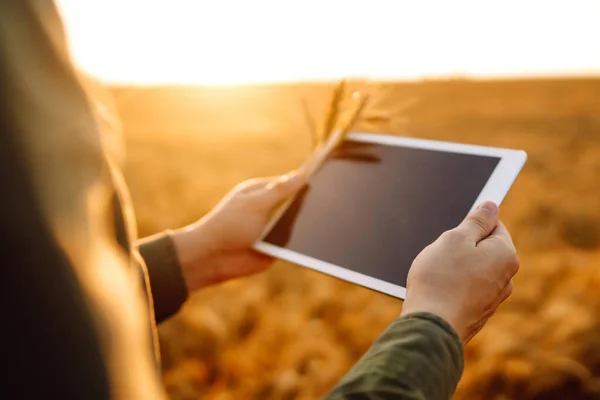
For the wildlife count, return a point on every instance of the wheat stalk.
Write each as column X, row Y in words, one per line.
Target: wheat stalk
column 332, row 132
column 362, row 102
column 329, row 138
column 333, row 110
column 312, row 127
column 334, row 139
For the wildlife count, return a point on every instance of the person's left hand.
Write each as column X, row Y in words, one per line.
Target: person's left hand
column 219, row 246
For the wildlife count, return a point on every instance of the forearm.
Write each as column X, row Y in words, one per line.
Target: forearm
column 418, row 357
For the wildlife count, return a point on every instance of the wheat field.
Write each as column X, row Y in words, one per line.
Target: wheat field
column 291, row 333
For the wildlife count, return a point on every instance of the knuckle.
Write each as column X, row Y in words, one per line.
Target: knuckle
column 514, row 265
column 508, row 262
column 505, row 294
column 506, row 250
column 479, row 222
column 281, row 185
column 509, row 253
column 446, row 235
column 510, row 247
column 240, row 187
column 246, row 186
column 454, row 236
column 510, row 289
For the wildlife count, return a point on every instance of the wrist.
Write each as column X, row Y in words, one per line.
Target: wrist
column 443, row 312
column 195, row 254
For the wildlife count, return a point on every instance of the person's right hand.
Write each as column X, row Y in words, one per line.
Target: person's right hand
column 466, row 274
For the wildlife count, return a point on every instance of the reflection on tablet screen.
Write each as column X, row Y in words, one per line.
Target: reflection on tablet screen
column 372, row 208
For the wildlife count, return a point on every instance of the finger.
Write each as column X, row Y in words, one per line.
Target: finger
column 506, row 292
column 490, row 311
column 255, row 184
column 280, row 189
column 502, row 296
column 481, row 222
column 502, row 233
column 500, row 245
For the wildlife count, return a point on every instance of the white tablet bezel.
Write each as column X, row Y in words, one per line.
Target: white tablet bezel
column 496, row 188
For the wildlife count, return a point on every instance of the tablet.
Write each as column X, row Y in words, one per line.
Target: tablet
column 377, row 201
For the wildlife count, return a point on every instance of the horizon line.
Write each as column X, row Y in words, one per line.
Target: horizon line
column 313, row 81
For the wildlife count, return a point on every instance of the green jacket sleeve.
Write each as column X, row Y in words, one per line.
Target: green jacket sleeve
column 167, row 284
column 418, row 357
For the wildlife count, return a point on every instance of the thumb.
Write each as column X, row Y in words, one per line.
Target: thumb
column 481, row 222
column 281, row 189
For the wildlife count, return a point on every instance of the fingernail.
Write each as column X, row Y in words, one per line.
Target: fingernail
column 489, row 206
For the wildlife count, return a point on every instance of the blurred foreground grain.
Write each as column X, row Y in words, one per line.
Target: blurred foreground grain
column 292, row 333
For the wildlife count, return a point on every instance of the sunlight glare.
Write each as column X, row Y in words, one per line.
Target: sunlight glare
column 226, row 42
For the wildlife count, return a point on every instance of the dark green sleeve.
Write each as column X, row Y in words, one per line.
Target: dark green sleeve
column 167, row 284
column 418, row 357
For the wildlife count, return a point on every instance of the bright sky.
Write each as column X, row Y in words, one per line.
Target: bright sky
column 248, row 41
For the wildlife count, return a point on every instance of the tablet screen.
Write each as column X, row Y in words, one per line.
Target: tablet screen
column 372, row 208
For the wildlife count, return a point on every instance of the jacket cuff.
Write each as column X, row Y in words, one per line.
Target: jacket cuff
column 167, row 284
column 419, row 356
column 441, row 323
column 446, row 344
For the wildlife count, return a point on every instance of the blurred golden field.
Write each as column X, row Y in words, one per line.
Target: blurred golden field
column 292, row 333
